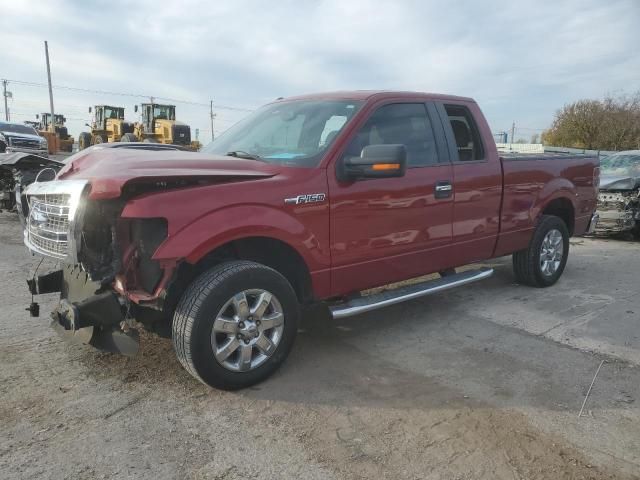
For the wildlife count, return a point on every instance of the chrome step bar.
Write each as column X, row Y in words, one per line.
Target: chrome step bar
column 359, row 305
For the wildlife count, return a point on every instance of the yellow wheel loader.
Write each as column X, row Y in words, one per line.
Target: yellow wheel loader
column 108, row 126
column 47, row 129
column 159, row 125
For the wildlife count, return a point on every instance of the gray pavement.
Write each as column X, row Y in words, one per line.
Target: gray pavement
column 483, row 382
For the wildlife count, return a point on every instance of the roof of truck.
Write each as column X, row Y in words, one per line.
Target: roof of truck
column 369, row 94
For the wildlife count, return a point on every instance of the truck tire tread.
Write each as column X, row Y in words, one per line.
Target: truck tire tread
column 192, row 301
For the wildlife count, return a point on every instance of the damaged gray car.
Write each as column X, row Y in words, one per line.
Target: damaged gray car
column 18, row 170
column 619, row 197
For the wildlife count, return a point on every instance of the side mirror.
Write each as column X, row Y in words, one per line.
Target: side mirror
column 375, row 161
column 37, row 116
column 88, row 125
column 89, row 109
column 135, row 108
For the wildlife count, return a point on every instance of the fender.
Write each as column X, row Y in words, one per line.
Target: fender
column 557, row 188
column 222, row 226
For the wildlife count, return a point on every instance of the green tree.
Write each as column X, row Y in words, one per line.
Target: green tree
column 609, row 124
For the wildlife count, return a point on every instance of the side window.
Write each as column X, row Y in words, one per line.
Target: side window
column 465, row 133
column 399, row 123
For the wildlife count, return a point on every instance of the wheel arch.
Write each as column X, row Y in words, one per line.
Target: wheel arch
column 562, row 208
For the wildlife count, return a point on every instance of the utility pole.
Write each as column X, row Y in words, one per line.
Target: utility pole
column 46, row 52
column 213, row 115
column 5, row 95
column 513, row 132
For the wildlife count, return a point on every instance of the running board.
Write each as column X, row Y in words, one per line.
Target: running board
column 402, row 294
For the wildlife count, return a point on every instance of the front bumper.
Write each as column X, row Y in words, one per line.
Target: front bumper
column 86, row 313
column 33, row 151
column 615, row 221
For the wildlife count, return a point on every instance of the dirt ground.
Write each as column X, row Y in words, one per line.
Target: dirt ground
column 479, row 383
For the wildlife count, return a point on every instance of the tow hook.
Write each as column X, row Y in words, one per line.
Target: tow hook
column 33, row 309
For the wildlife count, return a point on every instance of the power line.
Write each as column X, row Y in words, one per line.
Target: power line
column 128, row 94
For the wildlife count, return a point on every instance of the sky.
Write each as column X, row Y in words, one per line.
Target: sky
column 521, row 60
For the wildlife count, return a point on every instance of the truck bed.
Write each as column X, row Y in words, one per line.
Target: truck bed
column 533, row 180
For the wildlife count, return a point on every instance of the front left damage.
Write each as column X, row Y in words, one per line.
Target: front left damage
column 109, row 280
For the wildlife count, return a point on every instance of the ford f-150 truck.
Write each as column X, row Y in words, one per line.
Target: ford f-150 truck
column 309, row 199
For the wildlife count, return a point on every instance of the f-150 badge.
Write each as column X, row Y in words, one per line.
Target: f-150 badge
column 306, row 198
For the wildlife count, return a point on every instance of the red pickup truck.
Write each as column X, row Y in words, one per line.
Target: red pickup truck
column 309, row 199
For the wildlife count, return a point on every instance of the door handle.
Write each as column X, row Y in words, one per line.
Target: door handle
column 443, row 189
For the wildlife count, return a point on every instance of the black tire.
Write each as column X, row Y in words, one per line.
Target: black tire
column 199, row 306
column 96, row 140
column 84, row 140
column 128, row 137
column 526, row 263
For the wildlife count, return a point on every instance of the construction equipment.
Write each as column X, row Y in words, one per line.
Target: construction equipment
column 55, row 132
column 108, row 126
column 159, row 125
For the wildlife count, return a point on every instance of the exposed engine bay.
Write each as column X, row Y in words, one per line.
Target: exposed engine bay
column 619, row 212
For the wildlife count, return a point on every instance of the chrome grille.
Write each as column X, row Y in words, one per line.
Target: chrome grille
column 48, row 223
column 52, row 217
column 24, row 143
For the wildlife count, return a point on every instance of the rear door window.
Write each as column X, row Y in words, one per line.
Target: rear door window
column 399, row 123
column 465, row 133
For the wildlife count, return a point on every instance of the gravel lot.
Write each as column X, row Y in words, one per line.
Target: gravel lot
column 482, row 382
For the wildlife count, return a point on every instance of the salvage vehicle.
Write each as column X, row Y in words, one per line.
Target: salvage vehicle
column 18, row 170
column 16, row 137
column 619, row 197
column 310, row 199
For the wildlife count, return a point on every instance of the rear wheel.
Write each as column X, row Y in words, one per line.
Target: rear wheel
column 149, row 140
column 128, row 137
column 543, row 262
column 96, row 139
column 84, row 140
column 235, row 324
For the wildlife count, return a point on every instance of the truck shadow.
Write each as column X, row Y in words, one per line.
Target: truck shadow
column 428, row 353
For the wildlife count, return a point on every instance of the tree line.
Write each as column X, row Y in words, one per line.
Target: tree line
column 612, row 123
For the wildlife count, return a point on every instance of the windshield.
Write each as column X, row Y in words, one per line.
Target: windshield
column 290, row 133
column 164, row 112
column 17, row 128
column 621, row 165
column 110, row 112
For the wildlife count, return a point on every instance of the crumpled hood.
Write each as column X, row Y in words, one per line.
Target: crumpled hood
column 20, row 160
column 614, row 182
column 109, row 170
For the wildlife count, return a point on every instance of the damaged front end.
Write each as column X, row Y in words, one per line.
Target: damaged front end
column 109, row 274
column 619, row 206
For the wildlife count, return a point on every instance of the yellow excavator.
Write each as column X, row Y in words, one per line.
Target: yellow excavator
column 108, row 126
column 159, row 125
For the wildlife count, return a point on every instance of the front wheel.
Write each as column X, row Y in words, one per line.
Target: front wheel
column 235, row 324
column 84, row 140
column 543, row 262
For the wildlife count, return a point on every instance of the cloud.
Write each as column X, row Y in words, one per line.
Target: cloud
column 520, row 60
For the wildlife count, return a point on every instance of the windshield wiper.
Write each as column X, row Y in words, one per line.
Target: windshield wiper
column 243, row 154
